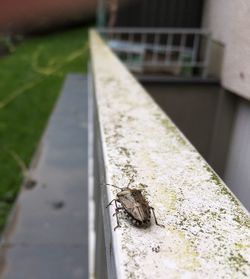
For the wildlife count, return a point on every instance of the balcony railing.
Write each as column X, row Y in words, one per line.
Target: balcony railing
column 170, row 53
column 207, row 230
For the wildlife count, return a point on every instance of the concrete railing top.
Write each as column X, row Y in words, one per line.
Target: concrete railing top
column 207, row 230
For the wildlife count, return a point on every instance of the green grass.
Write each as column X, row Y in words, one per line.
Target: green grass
column 31, row 79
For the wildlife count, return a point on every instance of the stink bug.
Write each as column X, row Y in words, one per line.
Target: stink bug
column 135, row 206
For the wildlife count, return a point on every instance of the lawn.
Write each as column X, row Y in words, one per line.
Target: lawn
column 30, row 81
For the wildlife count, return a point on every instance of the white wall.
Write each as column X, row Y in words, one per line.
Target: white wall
column 237, row 174
column 229, row 22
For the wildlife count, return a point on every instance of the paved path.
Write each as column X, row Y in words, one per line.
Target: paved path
column 47, row 235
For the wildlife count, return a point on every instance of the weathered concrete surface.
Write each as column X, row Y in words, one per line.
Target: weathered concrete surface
column 47, row 236
column 207, row 230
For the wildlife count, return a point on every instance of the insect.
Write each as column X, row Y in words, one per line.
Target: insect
column 135, row 206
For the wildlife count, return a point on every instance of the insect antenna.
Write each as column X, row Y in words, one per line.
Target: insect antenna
column 113, row 186
column 131, row 180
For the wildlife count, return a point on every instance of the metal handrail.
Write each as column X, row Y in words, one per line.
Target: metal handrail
column 181, row 52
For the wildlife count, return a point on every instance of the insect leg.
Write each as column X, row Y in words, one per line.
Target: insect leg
column 116, row 205
column 153, row 210
column 112, row 202
column 117, row 219
column 117, row 210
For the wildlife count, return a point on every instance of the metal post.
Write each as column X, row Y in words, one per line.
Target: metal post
column 182, row 49
column 195, row 48
column 206, row 56
column 155, row 49
column 101, row 14
column 144, row 44
column 169, row 49
column 130, row 54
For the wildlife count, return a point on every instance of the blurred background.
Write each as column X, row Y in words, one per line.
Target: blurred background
column 192, row 56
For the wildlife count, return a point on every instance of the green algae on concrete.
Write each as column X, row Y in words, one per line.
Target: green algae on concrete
column 203, row 219
column 31, row 79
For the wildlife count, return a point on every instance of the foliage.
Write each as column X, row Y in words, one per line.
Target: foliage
column 31, row 79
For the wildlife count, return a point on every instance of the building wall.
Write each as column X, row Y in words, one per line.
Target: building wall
column 229, row 22
column 192, row 107
column 161, row 13
column 25, row 15
column 237, row 175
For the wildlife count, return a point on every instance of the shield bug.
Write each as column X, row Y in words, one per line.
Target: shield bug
column 135, row 206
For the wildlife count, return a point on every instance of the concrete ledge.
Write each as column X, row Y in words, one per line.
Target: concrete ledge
column 47, row 237
column 207, row 230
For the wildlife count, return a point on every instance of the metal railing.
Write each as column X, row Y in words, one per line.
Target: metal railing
column 176, row 53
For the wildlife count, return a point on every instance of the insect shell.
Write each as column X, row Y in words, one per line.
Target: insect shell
column 135, row 205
